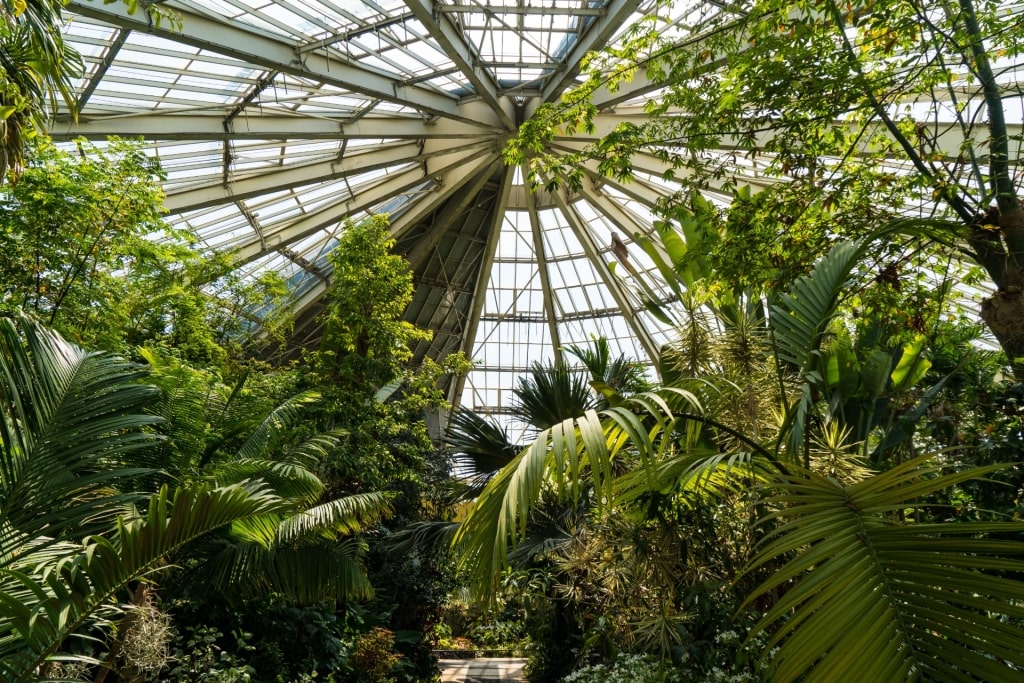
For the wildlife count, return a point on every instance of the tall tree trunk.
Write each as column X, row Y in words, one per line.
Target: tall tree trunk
column 1002, row 255
column 1003, row 312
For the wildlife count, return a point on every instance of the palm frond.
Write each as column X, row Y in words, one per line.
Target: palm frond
column 429, row 536
column 185, row 395
column 702, row 475
column 551, row 393
column 41, row 605
column 311, row 452
column 286, row 479
column 70, row 431
column 327, row 570
column 279, row 419
column 480, row 445
column 499, row 516
column 868, row 598
column 342, row 516
column 800, row 320
column 619, row 375
column 558, row 458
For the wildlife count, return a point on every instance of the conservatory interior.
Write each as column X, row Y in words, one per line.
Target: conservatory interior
column 644, row 340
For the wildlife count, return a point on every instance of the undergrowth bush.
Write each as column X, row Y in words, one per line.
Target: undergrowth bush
column 626, row 668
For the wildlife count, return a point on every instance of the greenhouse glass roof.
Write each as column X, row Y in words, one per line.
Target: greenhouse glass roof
column 276, row 120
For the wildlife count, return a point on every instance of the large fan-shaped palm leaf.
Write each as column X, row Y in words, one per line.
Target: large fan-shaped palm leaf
column 868, row 598
column 480, row 447
column 550, row 393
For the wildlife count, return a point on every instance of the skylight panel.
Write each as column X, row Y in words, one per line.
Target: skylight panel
column 264, row 120
column 296, row 15
column 118, row 102
column 315, row 247
column 91, row 53
column 81, row 29
column 578, row 288
column 614, row 328
column 515, row 241
column 267, row 16
column 204, row 218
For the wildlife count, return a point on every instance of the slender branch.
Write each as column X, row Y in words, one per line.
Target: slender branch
column 999, row 143
column 954, row 200
column 80, row 267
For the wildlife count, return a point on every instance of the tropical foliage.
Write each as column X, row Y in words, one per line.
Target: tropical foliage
column 824, row 484
column 851, row 565
column 833, row 98
column 36, row 71
column 77, row 250
column 76, row 529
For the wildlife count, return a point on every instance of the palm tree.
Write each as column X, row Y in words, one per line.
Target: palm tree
column 854, row 591
column 77, row 451
column 550, row 393
column 36, row 69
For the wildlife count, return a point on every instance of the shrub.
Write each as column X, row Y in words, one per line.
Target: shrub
column 373, row 657
column 625, row 669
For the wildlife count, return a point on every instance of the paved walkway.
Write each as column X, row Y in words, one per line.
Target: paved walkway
column 504, row 670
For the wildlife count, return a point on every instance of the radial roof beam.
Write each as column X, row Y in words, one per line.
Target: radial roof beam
column 624, row 220
column 371, row 27
column 454, row 208
column 645, row 162
column 614, row 285
column 452, row 41
column 375, row 158
column 605, row 97
column 635, row 189
column 948, row 137
column 542, row 270
column 101, row 69
column 193, row 126
column 596, row 36
column 363, row 199
column 642, row 190
column 527, row 10
column 449, row 184
column 482, row 282
column 253, row 46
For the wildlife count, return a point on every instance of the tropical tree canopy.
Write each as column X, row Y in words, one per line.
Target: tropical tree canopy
column 865, row 111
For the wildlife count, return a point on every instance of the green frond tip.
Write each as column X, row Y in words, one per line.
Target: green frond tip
column 868, row 597
column 44, row 603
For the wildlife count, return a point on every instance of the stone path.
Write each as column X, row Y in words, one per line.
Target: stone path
column 504, row 670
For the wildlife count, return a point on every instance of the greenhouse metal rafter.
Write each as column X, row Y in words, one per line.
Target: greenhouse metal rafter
column 277, row 121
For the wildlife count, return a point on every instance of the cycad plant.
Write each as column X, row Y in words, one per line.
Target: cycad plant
column 74, row 443
column 221, row 435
